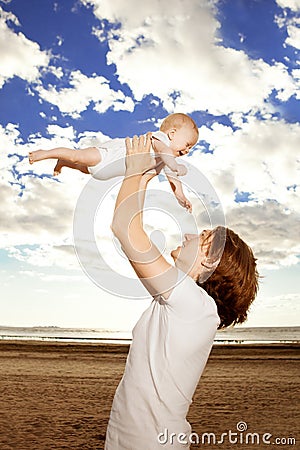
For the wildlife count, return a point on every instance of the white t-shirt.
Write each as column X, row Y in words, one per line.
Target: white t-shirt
column 170, row 346
column 113, row 153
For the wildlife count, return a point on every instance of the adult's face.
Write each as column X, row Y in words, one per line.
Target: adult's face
column 189, row 256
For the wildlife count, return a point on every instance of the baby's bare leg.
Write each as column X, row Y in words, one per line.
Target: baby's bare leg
column 89, row 156
column 62, row 163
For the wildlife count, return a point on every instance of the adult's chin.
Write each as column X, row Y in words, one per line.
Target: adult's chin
column 173, row 255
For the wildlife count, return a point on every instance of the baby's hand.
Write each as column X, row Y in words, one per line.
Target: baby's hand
column 181, row 170
column 183, row 201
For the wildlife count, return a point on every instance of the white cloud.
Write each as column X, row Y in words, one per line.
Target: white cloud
column 294, row 5
column 262, row 157
column 44, row 213
column 91, row 139
column 99, row 33
column 293, row 30
column 60, row 40
column 291, row 23
column 37, row 227
column 48, row 255
column 56, row 71
column 64, row 132
column 19, row 56
column 270, row 230
column 158, row 53
column 274, row 311
column 84, row 91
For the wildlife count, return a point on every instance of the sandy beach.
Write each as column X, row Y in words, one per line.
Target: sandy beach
column 58, row 396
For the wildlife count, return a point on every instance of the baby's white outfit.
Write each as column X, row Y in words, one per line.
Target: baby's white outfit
column 113, row 153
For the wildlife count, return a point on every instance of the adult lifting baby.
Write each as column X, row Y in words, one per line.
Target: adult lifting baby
column 210, row 285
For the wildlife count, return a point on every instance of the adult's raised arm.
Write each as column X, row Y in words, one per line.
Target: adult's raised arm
column 157, row 275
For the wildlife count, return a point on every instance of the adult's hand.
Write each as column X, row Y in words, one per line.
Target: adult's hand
column 139, row 160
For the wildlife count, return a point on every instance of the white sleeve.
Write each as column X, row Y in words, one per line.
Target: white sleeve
column 161, row 136
column 190, row 302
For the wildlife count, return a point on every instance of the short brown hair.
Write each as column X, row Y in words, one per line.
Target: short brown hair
column 177, row 121
column 234, row 283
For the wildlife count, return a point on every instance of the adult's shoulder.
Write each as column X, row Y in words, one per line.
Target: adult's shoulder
column 190, row 301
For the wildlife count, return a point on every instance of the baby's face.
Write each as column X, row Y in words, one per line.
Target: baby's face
column 182, row 140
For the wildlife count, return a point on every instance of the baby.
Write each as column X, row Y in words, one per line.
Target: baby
column 178, row 134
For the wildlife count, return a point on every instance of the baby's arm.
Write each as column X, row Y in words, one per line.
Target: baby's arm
column 166, row 155
column 176, row 186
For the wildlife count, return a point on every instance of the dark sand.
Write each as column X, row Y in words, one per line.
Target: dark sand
column 58, row 396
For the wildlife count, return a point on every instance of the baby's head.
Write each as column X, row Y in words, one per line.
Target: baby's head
column 182, row 132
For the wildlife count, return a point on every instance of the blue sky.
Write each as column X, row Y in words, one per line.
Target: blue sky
column 78, row 72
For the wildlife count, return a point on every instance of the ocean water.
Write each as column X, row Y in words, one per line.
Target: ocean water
column 235, row 335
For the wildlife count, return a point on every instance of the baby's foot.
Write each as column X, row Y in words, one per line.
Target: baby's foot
column 37, row 155
column 58, row 167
